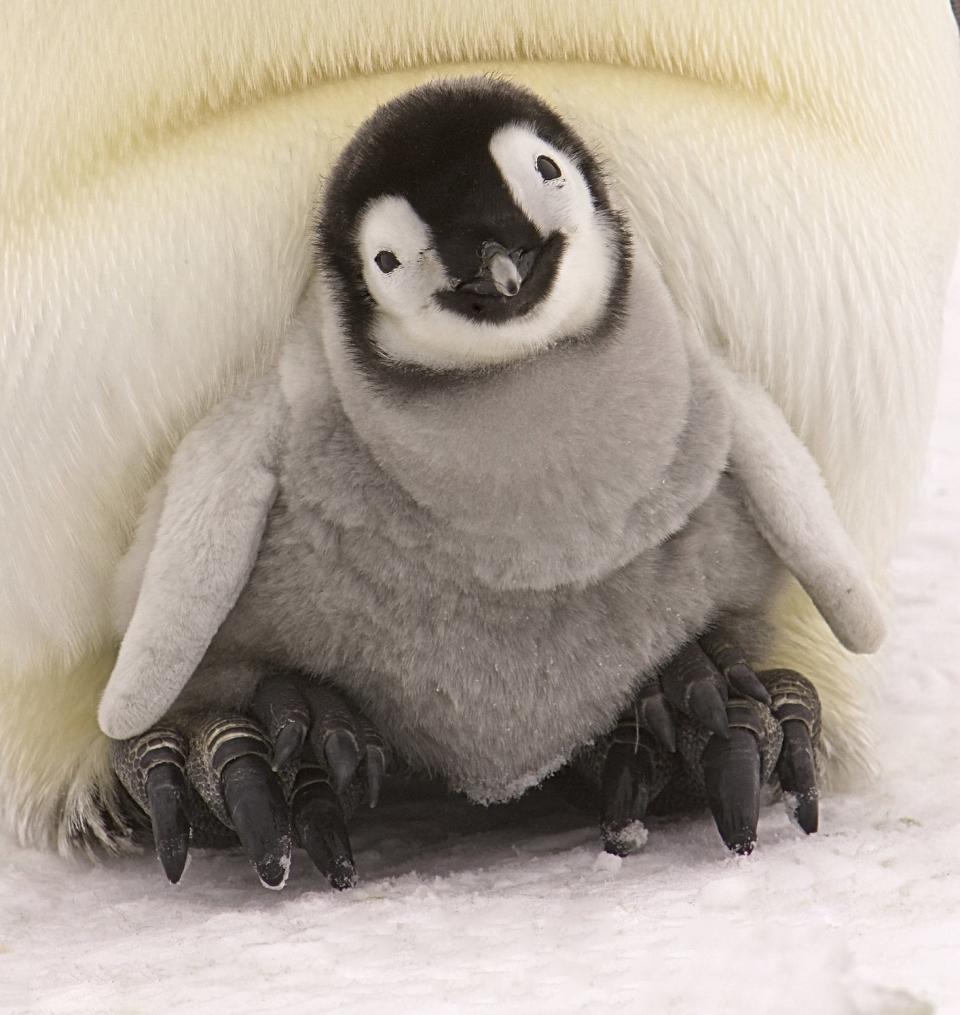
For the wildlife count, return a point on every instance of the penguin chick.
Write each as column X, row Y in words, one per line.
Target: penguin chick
column 468, row 226
column 494, row 483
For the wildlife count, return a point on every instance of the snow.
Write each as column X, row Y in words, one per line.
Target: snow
column 462, row 908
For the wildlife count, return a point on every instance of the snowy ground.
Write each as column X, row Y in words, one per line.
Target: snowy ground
column 518, row 910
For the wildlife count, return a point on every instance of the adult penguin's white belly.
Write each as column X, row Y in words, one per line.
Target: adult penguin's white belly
column 794, row 169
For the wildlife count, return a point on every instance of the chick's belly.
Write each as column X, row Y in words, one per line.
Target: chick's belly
column 489, row 725
column 490, row 689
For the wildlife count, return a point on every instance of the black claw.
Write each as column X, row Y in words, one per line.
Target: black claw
column 731, row 771
column 635, row 771
column 806, row 812
column 258, row 811
column 744, row 680
column 151, row 769
column 707, row 707
column 282, row 710
column 321, row 830
column 617, row 790
column 796, row 706
column 289, row 743
column 624, row 799
column 618, row 840
column 798, row 776
column 731, row 662
column 376, row 766
column 342, row 752
column 695, row 686
column 167, row 795
column 657, row 718
column 377, row 759
column 343, row 875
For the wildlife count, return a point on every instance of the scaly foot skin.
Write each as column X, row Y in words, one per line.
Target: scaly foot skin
column 709, row 727
column 290, row 772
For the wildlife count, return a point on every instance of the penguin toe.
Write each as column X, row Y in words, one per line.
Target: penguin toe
column 731, row 775
column 708, row 728
column 695, row 688
column 636, row 769
column 796, row 706
column 731, row 662
column 651, row 712
column 331, row 758
column 306, row 716
column 167, row 797
column 151, row 768
column 271, row 806
column 229, row 766
column 320, row 824
column 281, row 708
column 730, row 771
column 289, row 773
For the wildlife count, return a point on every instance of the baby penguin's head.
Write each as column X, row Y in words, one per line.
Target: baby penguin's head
column 467, row 225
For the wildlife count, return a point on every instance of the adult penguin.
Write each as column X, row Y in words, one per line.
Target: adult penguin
column 800, row 198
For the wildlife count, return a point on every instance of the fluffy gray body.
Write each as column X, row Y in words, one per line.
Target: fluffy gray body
column 490, row 569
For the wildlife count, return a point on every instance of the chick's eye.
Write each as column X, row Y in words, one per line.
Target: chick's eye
column 547, row 168
column 386, row 261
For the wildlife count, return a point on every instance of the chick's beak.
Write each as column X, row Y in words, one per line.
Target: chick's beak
column 500, row 268
column 500, row 283
column 501, row 272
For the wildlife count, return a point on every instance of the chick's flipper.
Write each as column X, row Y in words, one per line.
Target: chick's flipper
column 291, row 772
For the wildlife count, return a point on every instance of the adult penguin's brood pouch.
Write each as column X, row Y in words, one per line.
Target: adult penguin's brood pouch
column 794, row 169
column 497, row 497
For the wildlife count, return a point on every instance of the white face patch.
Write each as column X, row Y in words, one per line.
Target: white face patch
column 403, row 271
column 563, row 204
column 390, row 226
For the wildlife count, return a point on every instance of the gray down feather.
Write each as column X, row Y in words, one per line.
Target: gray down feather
column 488, row 568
